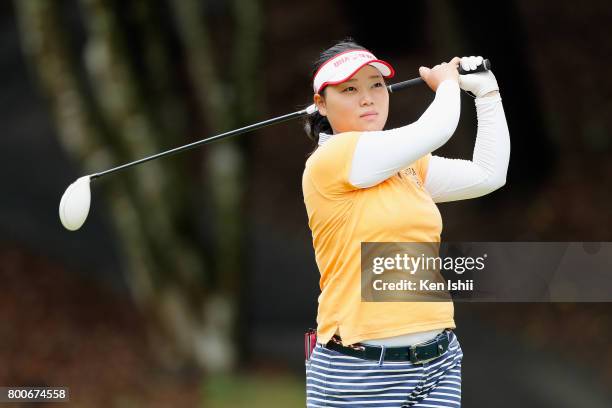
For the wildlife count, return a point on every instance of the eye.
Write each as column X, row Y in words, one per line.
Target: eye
column 348, row 88
column 378, row 84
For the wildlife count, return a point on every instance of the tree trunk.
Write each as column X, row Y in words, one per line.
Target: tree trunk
column 108, row 128
column 121, row 111
column 226, row 161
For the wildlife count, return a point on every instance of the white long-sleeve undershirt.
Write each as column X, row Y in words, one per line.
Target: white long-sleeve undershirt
column 381, row 154
column 457, row 179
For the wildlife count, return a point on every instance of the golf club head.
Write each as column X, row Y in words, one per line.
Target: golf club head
column 74, row 205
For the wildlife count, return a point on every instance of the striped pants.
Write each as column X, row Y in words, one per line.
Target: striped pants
column 336, row 380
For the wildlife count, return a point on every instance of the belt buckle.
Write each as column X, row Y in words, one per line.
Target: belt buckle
column 414, row 353
column 356, row 346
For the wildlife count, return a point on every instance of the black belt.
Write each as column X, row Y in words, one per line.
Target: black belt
column 417, row 353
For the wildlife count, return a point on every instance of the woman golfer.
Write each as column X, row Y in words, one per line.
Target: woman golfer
column 366, row 184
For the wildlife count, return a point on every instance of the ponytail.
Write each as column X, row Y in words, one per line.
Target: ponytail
column 314, row 124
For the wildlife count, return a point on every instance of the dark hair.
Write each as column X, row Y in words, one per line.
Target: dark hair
column 317, row 123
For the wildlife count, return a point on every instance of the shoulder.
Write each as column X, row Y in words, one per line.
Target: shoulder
column 335, row 147
column 327, row 169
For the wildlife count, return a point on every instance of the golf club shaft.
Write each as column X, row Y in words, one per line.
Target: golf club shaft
column 485, row 66
column 204, row 141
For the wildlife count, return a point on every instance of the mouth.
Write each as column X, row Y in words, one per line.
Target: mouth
column 369, row 115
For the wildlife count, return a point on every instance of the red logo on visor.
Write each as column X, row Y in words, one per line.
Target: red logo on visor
column 352, row 58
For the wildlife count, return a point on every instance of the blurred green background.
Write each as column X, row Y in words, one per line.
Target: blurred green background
column 193, row 279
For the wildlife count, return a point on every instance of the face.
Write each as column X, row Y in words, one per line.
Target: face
column 359, row 104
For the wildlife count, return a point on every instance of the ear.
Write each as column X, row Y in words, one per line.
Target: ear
column 319, row 101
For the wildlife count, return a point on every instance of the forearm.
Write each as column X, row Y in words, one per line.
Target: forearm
column 454, row 179
column 492, row 147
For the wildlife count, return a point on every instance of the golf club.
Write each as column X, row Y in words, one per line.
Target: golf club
column 76, row 200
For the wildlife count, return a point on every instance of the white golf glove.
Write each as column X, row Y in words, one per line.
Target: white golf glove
column 479, row 83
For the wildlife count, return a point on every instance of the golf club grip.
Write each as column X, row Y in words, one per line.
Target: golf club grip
column 485, row 66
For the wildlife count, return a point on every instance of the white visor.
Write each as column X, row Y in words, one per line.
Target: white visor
column 344, row 65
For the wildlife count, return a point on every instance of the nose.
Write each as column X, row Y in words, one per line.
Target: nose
column 366, row 99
